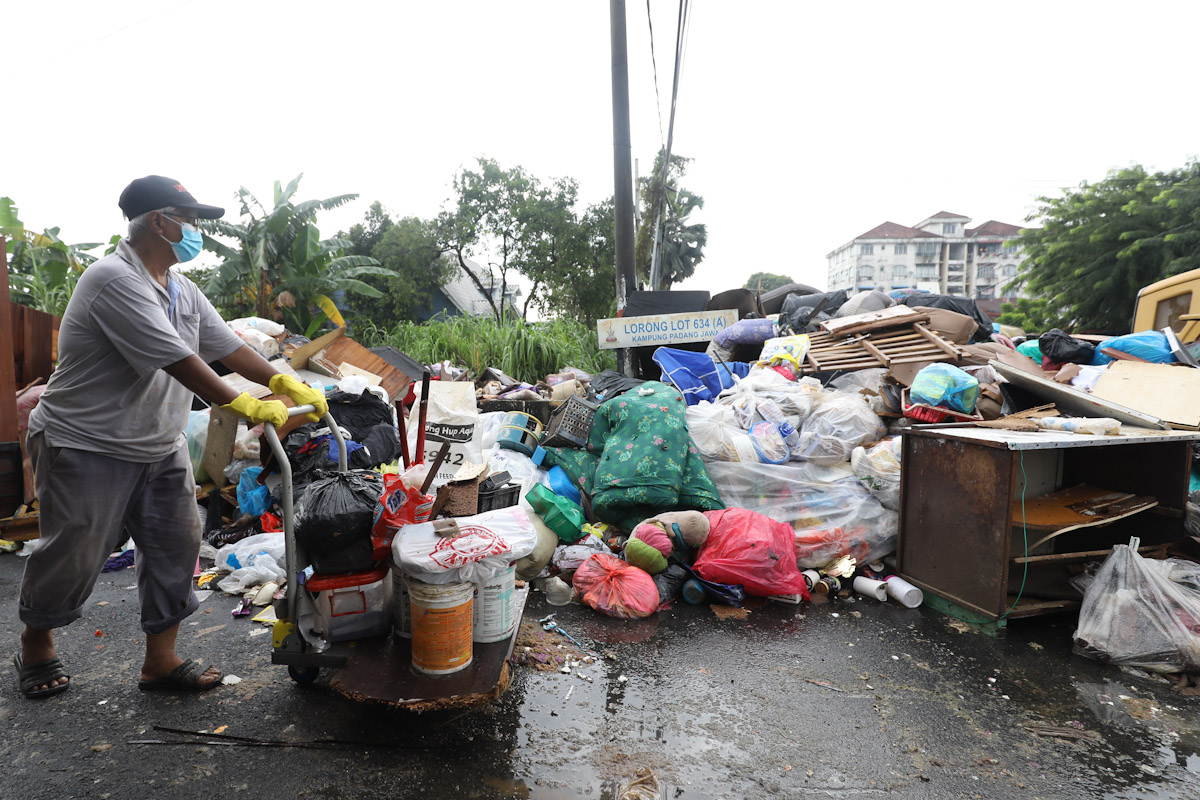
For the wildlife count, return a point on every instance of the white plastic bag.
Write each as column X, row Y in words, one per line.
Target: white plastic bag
column 879, row 470
column 252, row 561
column 1133, row 614
column 488, row 543
column 716, row 434
column 838, row 424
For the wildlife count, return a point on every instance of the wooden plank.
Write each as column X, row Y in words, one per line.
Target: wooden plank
column 936, row 340
column 299, row 359
column 887, row 317
column 1161, row 390
column 218, row 450
column 344, row 350
column 1083, row 555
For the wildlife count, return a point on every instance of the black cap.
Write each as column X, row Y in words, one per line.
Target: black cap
column 154, row 192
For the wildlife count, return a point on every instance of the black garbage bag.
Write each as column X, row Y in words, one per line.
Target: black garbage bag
column 670, row 582
column 801, row 310
column 1062, row 348
column 358, row 413
column 333, row 519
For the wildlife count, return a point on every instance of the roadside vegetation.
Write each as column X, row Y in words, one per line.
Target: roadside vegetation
column 524, row 351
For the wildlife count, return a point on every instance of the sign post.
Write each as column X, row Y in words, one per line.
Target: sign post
column 662, row 329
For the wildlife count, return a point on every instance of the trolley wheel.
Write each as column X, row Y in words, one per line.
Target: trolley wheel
column 303, row 675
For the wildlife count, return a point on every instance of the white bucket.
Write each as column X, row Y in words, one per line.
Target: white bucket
column 401, row 613
column 441, row 626
column 494, row 619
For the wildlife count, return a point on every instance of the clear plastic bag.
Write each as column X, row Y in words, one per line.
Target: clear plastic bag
column 251, row 562
column 832, row 513
column 838, row 424
column 715, row 432
column 1134, row 614
column 197, row 439
column 879, row 470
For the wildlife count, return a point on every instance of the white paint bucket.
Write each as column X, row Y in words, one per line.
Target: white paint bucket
column 441, row 626
column 494, row 618
column 401, row 613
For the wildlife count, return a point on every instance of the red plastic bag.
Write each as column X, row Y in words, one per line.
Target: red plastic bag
column 616, row 588
column 399, row 505
column 751, row 549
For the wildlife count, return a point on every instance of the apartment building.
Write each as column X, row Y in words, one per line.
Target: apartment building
column 940, row 254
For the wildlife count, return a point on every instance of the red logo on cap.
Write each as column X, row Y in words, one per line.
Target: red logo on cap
column 179, row 187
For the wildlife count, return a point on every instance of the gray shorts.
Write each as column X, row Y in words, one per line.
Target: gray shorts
column 89, row 505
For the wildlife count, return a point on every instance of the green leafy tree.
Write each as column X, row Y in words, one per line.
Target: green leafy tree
column 410, row 252
column 1031, row 316
column 279, row 267
column 1099, row 244
column 42, row 268
column 516, row 225
column 681, row 245
column 766, row 281
column 580, row 287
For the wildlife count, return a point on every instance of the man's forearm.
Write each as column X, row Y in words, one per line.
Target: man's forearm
column 193, row 373
column 250, row 365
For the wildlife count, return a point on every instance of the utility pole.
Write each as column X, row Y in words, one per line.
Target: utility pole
column 622, row 169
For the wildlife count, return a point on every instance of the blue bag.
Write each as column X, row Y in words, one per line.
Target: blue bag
column 252, row 499
column 947, row 386
column 696, row 375
column 1146, row 345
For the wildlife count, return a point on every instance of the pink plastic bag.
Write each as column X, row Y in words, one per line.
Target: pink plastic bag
column 616, row 588
column 751, row 549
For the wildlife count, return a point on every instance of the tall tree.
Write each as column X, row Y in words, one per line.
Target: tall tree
column 766, row 281
column 1099, row 244
column 280, row 268
column 409, row 251
column 580, row 286
column 681, row 245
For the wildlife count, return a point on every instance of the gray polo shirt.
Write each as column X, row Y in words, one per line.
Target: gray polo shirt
column 109, row 394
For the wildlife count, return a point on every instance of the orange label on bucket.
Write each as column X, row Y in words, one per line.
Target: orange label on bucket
column 441, row 637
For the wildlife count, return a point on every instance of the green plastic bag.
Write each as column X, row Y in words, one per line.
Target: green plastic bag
column 560, row 514
column 1031, row 348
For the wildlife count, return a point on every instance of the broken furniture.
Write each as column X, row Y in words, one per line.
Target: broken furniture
column 993, row 521
column 886, row 342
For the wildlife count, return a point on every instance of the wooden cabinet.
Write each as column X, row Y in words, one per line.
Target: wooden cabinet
column 965, row 540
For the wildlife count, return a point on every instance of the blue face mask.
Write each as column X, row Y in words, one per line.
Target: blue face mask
column 190, row 245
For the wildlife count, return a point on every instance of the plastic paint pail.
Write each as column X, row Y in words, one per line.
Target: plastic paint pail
column 441, row 626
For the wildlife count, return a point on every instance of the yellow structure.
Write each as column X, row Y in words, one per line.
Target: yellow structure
column 1172, row 302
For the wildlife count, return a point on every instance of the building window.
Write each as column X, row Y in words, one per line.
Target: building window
column 928, row 248
column 866, row 249
column 900, row 249
column 949, row 228
column 927, row 273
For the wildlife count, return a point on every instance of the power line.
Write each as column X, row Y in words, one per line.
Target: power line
column 654, row 65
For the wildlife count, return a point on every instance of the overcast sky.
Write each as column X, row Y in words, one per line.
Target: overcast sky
column 809, row 123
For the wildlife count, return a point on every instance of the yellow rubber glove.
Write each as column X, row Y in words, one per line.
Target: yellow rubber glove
column 301, row 393
column 256, row 411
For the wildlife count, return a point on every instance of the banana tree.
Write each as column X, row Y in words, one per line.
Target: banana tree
column 279, row 267
column 42, row 268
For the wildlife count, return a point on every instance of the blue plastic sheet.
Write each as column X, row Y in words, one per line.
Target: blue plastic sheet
column 696, row 375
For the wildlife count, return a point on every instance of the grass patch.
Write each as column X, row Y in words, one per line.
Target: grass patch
column 526, row 351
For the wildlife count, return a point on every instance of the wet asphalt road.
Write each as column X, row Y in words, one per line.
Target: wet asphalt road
column 835, row 700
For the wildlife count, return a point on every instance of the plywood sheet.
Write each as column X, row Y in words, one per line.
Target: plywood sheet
column 1168, row 392
column 1080, row 506
column 1072, row 401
